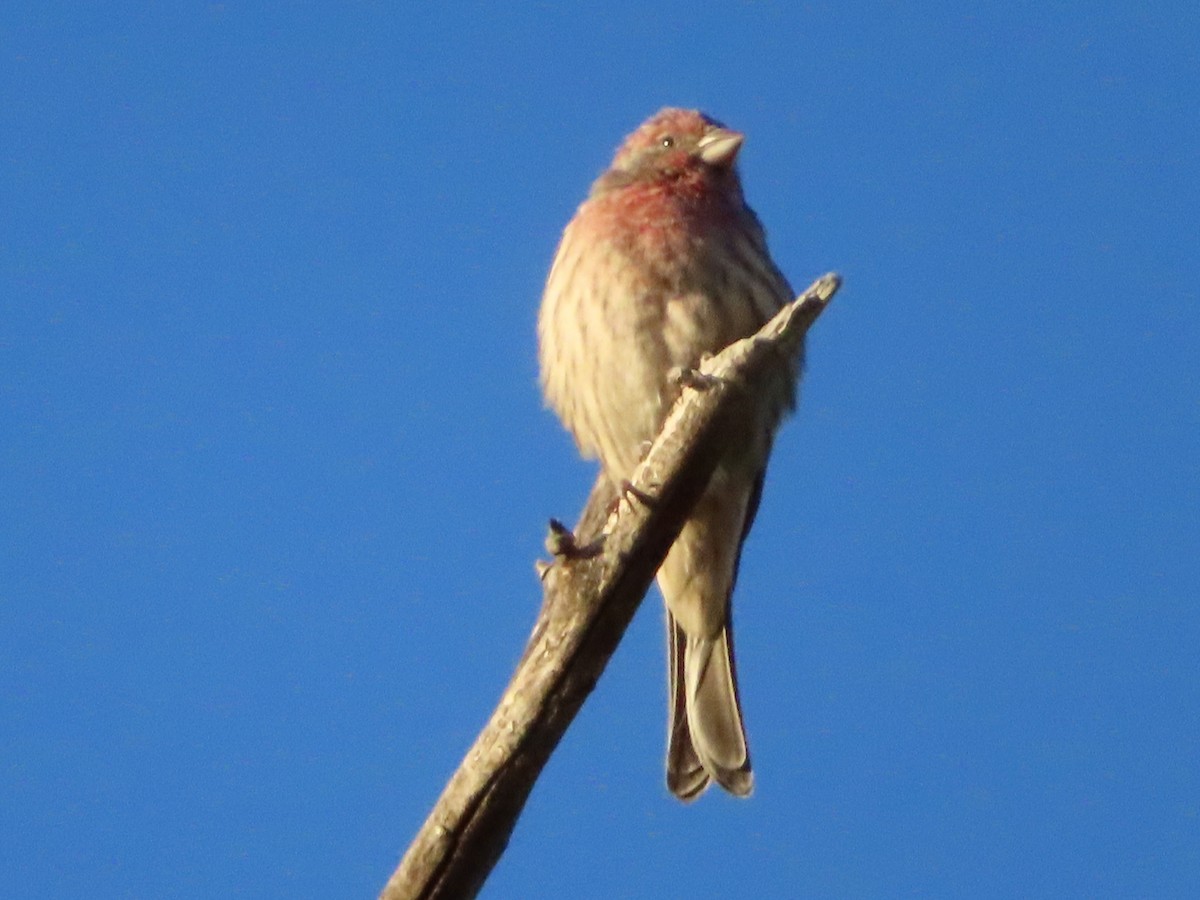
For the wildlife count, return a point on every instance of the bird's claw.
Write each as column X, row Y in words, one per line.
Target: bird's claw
column 561, row 543
column 628, row 490
column 685, row 376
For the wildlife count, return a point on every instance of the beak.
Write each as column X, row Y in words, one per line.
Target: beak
column 720, row 146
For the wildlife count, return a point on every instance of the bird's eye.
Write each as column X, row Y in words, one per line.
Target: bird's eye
column 666, row 142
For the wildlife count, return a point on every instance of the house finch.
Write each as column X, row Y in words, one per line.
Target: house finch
column 661, row 265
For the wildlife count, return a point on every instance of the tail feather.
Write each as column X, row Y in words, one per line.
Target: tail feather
column 686, row 777
column 706, row 738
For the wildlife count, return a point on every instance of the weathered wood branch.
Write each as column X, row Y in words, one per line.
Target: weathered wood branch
column 588, row 603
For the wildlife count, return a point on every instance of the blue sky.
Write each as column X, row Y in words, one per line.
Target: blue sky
column 275, row 467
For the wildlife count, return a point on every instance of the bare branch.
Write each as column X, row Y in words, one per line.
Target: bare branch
column 589, row 600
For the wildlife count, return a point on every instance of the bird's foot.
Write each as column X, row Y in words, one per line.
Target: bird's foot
column 630, row 492
column 685, row 376
column 561, row 543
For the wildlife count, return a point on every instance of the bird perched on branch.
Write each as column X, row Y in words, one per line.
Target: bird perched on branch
column 663, row 264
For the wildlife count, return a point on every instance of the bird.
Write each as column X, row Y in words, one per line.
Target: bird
column 663, row 264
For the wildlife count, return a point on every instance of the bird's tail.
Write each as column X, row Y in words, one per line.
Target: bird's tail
column 705, row 735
